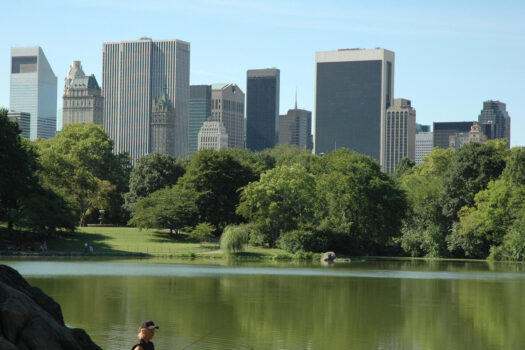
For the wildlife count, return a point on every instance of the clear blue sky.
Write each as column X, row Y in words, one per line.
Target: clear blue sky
column 450, row 55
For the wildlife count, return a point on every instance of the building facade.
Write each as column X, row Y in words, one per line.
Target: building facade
column 354, row 87
column 400, row 138
column 24, row 122
column 443, row 131
column 475, row 134
column 228, row 107
column 213, row 135
column 163, row 125
column 33, row 90
column 200, row 111
column 424, row 145
column 295, row 128
column 82, row 100
column 133, row 74
column 262, row 108
column 495, row 112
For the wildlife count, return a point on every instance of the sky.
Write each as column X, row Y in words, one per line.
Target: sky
column 450, row 56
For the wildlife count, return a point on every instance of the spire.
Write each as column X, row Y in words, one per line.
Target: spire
column 295, row 98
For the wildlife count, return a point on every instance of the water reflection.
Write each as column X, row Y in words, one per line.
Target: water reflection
column 371, row 305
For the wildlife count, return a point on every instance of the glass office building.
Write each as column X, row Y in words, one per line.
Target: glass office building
column 200, row 111
column 495, row 112
column 354, row 87
column 34, row 90
column 262, row 108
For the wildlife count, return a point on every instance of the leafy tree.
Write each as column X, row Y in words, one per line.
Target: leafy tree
column 234, row 238
column 203, row 231
column 217, row 178
column 258, row 162
column 404, row 165
column 151, row 173
column 281, row 201
column 173, row 208
column 80, row 164
column 358, row 201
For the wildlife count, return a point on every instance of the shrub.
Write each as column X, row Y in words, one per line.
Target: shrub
column 234, row 237
column 304, row 240
column 203, row 231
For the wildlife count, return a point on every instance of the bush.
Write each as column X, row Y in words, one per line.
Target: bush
column 305, row 241
column 234, row 237
column 203, row 231
column 513, row 246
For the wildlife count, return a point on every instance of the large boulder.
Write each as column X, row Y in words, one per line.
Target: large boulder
column 29, row 319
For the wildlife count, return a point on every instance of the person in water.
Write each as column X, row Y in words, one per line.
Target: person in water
column 146, row 333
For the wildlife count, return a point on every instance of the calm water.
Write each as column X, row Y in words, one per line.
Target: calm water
column 367, row 305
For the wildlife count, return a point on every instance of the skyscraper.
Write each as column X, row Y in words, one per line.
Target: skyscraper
column 495, row 112
column 200, row 111
column 228, row 107
column 163, row 125
column 24, row 121
column 213, row 135
column 133, row 74
column 443, row 131
column 34, row 90
column 295, row 128
column 424, row 142
column 400, row 130
column 262, row 108
column 83, row 101
column 354, row 87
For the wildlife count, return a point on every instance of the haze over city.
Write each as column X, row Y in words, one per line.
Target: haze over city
column 450, row 57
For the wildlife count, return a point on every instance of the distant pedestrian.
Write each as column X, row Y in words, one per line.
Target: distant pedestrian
column 91, row 249
column 85, row 247
column 146, row 333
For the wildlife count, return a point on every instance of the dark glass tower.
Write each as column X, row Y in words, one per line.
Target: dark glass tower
column 200, row 110
column 354, row 87
column 443, row 130
column 495, row 112
column 262, row 108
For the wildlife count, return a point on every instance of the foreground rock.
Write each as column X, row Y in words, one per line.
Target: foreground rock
column 29, row 319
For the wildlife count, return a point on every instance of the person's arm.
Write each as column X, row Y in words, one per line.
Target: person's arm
column 138, row 347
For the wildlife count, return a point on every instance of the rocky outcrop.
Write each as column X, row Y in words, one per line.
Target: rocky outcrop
column 29, row 319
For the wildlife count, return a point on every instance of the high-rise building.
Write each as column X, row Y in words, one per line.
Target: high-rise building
column 443, row 131
column 495, row 112
column 133, row 74
column 82, row 100
column 200, row 111
column 422, row 128
column 424, row 145
column 400, row 130
column 262, row 108
column 213, row 135
column 295, row 128
column 24, row 121
column 475, row 134
column 354, row 87
column 228, row 107
column 163, row 125
column 34, row 90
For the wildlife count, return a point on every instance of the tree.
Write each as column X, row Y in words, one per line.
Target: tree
column 80, row 164
column 217, row 179
column 404, row 165
column 151, row 173
column 234, row 238
column 203, row 231
column 173, row 208
column 358, row 202
column 281, row 201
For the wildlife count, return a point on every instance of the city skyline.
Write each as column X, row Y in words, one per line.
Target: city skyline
column 441, row 51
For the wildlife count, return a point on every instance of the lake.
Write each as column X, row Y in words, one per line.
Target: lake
column 410, row 304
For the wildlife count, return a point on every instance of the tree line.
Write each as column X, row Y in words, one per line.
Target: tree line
column 457, row 203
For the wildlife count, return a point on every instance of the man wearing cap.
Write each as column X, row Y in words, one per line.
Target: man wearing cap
column 146, row 333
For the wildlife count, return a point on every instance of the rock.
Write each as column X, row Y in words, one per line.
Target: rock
column 29, row 319
column 328, row 257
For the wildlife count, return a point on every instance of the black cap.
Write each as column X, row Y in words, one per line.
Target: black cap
column 148, row 324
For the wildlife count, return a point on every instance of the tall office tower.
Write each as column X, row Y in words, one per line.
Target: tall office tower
column 354, row 87
column 213, row 135
column 163, row 125
column 82, row 100
column 495, row 112
column 133, row 74
column 262, row 108
column 24, row 121
column 424, row 145
column 295, row 128
column 228, row 107
column 422, row 128
column 200, row 111
column 34, row 90
column 443, row 131
column 400, row 130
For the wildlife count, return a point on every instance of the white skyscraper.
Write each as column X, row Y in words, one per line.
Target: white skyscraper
column 34, row 90
column 133, row 74
column 400, row 133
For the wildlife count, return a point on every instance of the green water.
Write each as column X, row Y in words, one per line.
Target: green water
column 367, row 305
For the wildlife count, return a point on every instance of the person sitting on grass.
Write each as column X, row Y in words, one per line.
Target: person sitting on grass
column 146, row 333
